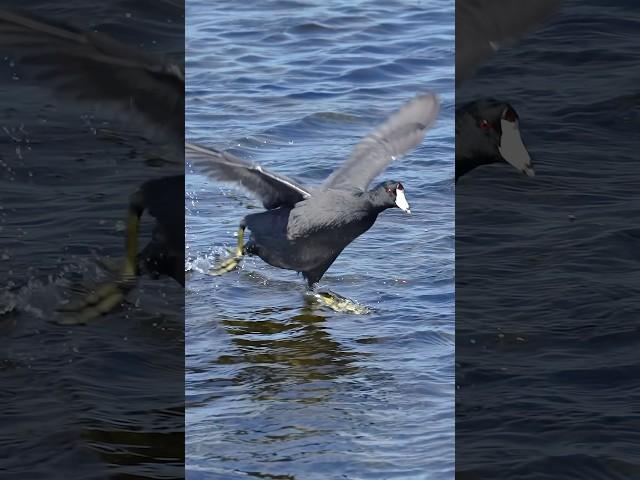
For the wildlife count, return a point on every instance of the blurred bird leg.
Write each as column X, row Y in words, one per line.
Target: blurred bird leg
column 339, row 303
column 109, row 295
column 232, row 263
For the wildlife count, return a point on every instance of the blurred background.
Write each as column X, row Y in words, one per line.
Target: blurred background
column 103, row 400
column 547, row 267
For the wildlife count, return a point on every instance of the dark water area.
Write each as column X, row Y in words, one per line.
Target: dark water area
column 547, row 268
column 277, row 387
column 104, row 400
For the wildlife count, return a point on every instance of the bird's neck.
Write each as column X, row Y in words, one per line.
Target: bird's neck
column 468, row 155
column 378, row 202
column 464, row 164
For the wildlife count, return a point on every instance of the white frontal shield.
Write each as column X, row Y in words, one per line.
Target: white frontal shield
column 401, row 201
column 513, row 150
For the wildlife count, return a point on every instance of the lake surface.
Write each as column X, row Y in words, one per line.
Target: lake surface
column 276, row 387
column 103, row 400
column 547, row 268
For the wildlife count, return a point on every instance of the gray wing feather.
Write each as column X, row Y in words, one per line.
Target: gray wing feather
column 483, row 26
column 401, row 132
column 326, row 211
column 271, row 189
column 89, row 66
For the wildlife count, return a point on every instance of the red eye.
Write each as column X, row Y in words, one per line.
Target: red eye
column 485, row 125
column 510, row 115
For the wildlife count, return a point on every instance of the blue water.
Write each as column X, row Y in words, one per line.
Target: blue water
column 547, row 267
column 277, row 388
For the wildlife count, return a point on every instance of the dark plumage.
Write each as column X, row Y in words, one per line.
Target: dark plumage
column 309, row 237
column 164, row 254
column 487, row 131
column 271, row 189
column 306, row 229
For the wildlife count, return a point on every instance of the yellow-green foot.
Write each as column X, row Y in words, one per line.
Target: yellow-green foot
column 100, row 301
column 227, row 265
column 231, row 263
column 110, row 295
column 339, row 303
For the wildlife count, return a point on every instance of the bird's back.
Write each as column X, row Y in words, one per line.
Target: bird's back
column 311, row 235
column 338, row 213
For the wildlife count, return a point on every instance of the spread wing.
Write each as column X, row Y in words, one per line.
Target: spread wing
column 271, row 189
column 92, row 66
column 483, row 26
column 401, row 132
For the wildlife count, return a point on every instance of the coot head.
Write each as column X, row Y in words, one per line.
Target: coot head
column 390, row 194
column 488, row 131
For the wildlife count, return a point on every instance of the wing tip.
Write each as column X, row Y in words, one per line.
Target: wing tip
column 425, row 107
column 431, row 97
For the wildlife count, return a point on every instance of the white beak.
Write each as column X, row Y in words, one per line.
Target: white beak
column 512, row 149
column 401, row 201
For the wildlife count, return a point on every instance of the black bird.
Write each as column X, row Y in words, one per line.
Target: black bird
column 148, row 89
column 488, row 131
column 305, row 229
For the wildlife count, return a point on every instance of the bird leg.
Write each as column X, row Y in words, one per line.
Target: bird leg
column 232, row 263
column 338, row 303
column 107, row 296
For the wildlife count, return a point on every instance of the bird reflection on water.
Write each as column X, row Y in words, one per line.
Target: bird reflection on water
column 283, row 357
column 302, row 346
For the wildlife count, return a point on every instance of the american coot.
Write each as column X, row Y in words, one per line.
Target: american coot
column 146, row 88
column 488, row 131
column 305, row 229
